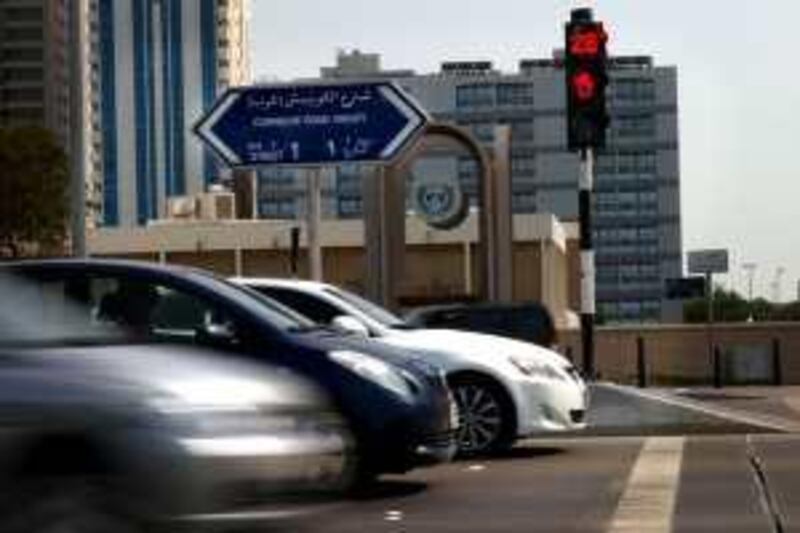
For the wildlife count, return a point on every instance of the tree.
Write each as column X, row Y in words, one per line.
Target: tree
column 729, row 306
column 789, row 312
column 34, row 182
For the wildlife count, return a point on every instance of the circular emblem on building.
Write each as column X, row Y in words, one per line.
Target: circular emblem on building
column 440, row 203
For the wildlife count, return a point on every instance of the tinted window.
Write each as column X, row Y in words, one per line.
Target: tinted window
column 309, row 306
column 529, row 322
column 156, row 312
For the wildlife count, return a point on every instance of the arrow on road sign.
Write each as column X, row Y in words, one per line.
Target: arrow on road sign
column 311, row 124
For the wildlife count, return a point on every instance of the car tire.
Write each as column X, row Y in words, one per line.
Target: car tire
column 486, row 416
column 81, row 505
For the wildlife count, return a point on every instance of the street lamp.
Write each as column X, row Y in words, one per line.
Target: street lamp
column 776, row 285
column 750, row 268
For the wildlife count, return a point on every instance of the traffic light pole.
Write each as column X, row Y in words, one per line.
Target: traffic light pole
column 586, row 186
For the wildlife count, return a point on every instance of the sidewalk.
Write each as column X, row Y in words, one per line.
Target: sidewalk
column 773, row 401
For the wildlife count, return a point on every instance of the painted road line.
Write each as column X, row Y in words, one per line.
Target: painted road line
column 648, row 503
column 769, row 422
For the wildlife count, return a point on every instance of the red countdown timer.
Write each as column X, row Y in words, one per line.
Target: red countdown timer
column 587, row 42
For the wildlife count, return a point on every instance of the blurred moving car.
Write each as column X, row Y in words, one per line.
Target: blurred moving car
column 529, row 321
column 97, row 434
column 397, row 405
column 505, row 389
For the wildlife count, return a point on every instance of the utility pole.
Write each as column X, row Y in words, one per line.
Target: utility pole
column 314, row 192
column 750, row 268
column 77, row 122
column 776, row 285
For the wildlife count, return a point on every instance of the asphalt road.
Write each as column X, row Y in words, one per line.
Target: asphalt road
column 740, row 477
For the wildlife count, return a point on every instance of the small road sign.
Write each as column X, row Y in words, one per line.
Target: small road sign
column 311, row 124
column 708, row 262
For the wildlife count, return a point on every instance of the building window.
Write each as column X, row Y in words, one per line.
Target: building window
column 521, row 130
column 22, row 54
column 278, row 208
column 634, row 89
column 515, row 94
column 23, row 74
column 23, row 13
column 23, row 34
column 26, row 95
column 31, row 115
column 525, row 166
column 350, row 206
column 475, row 95
column 637, row 125
column 524, row 203
column 627, row 162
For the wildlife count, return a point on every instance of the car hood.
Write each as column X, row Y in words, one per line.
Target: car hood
column 479, row 346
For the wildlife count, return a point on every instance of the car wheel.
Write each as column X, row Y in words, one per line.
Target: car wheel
column 485, row 416
column 67, row 505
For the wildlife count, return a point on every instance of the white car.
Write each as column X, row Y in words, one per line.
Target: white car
column 505, row 389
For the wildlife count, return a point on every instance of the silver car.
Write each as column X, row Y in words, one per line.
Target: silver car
column 98, row 435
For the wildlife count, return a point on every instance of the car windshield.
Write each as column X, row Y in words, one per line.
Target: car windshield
column 374, row 311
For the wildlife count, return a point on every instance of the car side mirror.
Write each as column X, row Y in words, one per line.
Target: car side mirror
column 348, row 324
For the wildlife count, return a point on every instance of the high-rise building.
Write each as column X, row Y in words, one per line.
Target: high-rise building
column 637, row 206
column 34, row 65
column 46, row 74
column 162, row 64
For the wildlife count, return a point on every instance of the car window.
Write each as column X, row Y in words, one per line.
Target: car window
column 36, row 311
column 88, row 308
column 157, row 312
column 307, row 305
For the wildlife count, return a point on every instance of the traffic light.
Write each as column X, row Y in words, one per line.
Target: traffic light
column 586, row 77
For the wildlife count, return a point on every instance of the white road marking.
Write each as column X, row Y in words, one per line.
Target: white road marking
column 769, row 422
column 648, row 503
column 393, row 516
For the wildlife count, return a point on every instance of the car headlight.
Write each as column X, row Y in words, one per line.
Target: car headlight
column 534, row 368
column 374, row 370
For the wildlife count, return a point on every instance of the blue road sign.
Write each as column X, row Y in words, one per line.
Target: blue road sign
column 311, row 124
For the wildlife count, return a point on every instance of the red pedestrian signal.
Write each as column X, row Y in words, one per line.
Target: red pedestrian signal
column 586, row 79
column 584, row 86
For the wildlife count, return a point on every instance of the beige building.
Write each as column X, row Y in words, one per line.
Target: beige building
column 439, row 265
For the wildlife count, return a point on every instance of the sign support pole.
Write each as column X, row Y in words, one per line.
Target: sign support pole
column 586, row 186
column 314, row 191
column 710, row 318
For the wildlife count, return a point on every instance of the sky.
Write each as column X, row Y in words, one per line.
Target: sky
column 739, row 91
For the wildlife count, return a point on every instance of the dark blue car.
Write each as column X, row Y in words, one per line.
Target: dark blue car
column 398, row 406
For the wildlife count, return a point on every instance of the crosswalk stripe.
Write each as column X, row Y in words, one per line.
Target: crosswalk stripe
column 648, row 502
